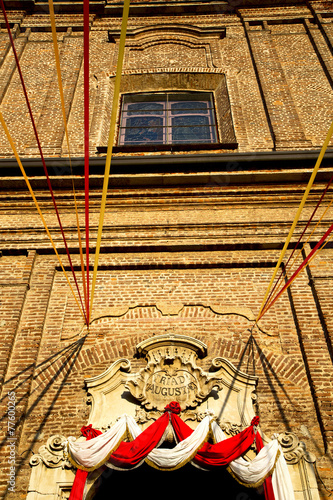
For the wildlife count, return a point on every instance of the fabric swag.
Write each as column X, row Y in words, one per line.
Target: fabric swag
column 125, row 446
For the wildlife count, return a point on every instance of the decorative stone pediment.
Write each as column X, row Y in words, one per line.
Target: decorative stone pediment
column 171, row 374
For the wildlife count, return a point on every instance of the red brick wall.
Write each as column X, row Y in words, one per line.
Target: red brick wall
column 208, row 248
column 214, row 292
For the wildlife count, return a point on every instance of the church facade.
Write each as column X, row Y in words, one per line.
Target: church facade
column 223, row 110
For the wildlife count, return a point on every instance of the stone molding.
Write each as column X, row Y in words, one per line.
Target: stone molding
column 168, row 309
column 117, row 391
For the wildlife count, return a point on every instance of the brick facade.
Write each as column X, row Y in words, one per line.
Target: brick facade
column 197, row 230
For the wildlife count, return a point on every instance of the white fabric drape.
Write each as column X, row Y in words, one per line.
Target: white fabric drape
column 255, row 471
column 169, row 459
column 92, row 452
column 259, row 468
column 281, row 481
column 251, row 472
column 183, row 451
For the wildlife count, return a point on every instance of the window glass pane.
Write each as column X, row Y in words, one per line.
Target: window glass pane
column 192, row 129
column 146, row 108
column 188, row 107
column 144, row 121
column 189, row 121
column 144, row 136
column 191, row 135
column 142, row 130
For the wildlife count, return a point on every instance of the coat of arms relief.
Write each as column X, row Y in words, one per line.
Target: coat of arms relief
column 172, row 374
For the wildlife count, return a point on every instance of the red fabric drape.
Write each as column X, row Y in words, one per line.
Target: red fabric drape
column 268, row 486
column 130, row 454
column 182, row 431
column 78, row 485
column 81, row 475
column 213, row 455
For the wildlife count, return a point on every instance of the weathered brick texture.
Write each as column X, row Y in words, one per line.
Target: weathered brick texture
column 189, row 245
column 277, row 63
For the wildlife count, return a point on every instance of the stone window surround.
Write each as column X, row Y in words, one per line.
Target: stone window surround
column 184, row 79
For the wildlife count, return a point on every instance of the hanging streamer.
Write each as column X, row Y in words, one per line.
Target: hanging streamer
column 110, row 143
column 86, row 29
column 63, row 108
column 11, row 142
column 300, row 239
column 300, row 208
column 39, row 147
column 304, row 263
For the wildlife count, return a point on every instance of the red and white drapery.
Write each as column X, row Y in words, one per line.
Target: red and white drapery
column 268, row 468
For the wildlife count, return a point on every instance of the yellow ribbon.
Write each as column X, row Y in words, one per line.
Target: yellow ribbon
column 11, row 142
column 270, row 303
column 300, row 208
column 265, row 309
column 110, row 143
column 57, row 60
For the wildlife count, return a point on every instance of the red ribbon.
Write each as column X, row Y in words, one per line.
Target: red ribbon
column 313, row 251
column 299, row 240
column 86, row 28
column 40, row 148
